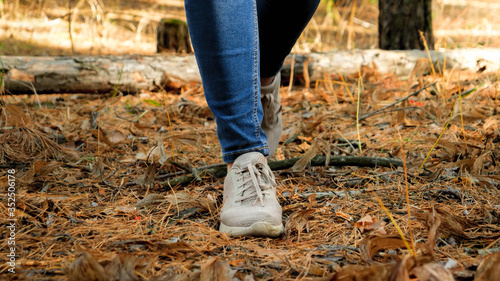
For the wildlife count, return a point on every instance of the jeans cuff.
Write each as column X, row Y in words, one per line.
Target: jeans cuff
column 230, row 157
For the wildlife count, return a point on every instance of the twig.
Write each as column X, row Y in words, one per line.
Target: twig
column 394, row 103
column 337, row 248
column 110, row 175
column 69, row 29
column 330, row 194
column 405, row 108
column 220, row 171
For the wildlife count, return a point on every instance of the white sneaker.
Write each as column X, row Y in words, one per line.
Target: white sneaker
column 272, row 123
column 250, row 205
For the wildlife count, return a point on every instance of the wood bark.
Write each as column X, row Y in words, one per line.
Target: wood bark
column 220, row 171
column 130, row 74
column 400, row 23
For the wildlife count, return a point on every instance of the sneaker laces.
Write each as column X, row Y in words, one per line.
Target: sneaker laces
column 257, row 181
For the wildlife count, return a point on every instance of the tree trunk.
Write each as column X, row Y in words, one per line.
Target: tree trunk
column 400, row 23
column 173, row 36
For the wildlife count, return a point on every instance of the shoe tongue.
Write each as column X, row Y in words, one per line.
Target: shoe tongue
column 249, row 158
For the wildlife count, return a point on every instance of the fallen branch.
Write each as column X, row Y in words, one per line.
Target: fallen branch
column 220, row 171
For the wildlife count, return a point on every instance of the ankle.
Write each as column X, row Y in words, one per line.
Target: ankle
column 265, row 81
column 229, row 166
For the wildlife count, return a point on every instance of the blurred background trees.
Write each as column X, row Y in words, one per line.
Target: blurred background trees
column 100, row 27
column 402, row 24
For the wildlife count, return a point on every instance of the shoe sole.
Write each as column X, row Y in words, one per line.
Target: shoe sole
column 257, row 229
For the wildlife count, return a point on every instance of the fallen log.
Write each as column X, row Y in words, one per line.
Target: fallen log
column 220, row 171
column 130, row 74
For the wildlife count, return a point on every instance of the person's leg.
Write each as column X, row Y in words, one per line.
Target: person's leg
column 225, row 38
column 280, row 24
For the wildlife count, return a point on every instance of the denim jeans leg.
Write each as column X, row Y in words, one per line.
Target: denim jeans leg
column 225, row 37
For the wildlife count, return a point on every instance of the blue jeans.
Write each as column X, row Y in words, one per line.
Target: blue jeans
column 235, row 43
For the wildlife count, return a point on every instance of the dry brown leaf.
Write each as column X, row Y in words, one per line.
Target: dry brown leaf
column 433, row 223
column 176, row 247
column 188, row 276
column 450, row 224
column 489, row 269
column 311, row 127
column 492, row 122
column 433, row 272
column 99, row 135
column 184, row 200
column 422, row 67
column 297, row 221
column 372, row 244
column 163, row 155
column 148, row 177
column 152, row 199
column 116, row 137
column 39, row 170
column 368, row 223
column 470, row 112
column 478, row 165
column 216, row 270
column 401, row 270
column 98, row 167
column 302, row 163
column 450, row 149
column 124, row 268
column 13, row 115
column 364, row 221
column 363, row 273
column 86, row 268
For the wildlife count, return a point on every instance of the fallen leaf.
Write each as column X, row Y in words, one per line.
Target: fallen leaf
column 152, row 199
column 216, row 270
column 297, row 221
column 13, row 115
column 433, row 223
column 489, row 269
column 86, row 268
column 99, row 135
column 124, row 268
column 433, row 272
column 301, row 164
column 97, row 167
column 372, row 244
column 116, row 137
column 363, row 273
column 401, row 270
column 368, row 223
column 184, row 200
column 148, row 177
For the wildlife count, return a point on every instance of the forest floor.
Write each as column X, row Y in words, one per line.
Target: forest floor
column 98, row 189
column 115, row 187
